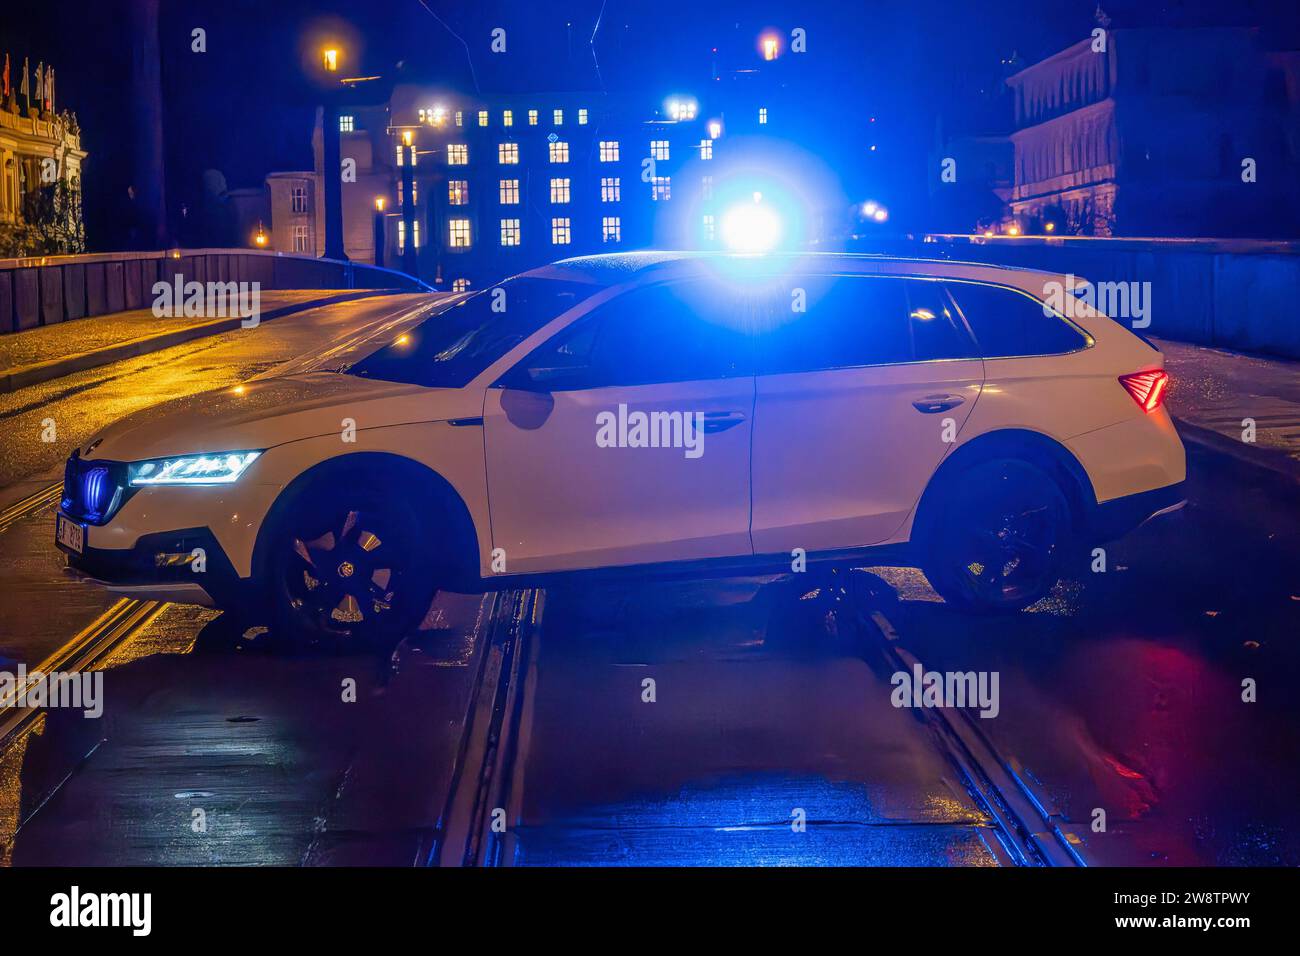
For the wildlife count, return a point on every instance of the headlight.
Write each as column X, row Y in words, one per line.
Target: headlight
column 219, row 469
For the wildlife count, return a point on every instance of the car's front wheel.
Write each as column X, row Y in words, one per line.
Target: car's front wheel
column 352, row 568
column 998, row 539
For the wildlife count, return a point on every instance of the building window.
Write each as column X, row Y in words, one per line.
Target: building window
column 347, row 124
column 301, row 239
column 609, row 189
column 457, row 154
column 457, row 192
column 611, row 229
column 401, row 155
column 508, row 118
column 508, row 153
column 532, row 117
column 457, row 233
column 661, row 188
column 559, row 152
column 609, row 151
column 659, row 148
column 706, row 149
column 762, row 115
column 557, row 117
column 482, row 117
column 298, row 198
column 401, row 235
column 582, row 117
column 559, row 190
column 460, row 285
column 509, row 232
column 709, row 232
column 415, row 192
column 706, row 187
column 509, row 192
column 560, row 231
column 460, row 118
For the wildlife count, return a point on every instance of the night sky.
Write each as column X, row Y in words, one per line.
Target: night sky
column 245, row 107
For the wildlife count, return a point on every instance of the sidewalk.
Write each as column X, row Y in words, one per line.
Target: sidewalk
column 1213, row 390
column 52, row 351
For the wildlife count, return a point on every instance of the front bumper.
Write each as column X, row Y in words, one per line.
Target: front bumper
column 184, row 567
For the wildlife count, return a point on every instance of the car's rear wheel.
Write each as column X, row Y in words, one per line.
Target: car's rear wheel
column 350, row 568
column 997, row 540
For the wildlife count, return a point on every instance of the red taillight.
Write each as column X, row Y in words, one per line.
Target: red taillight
column 1147, row 388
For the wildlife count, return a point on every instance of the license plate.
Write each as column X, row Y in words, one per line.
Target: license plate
column 70, row 534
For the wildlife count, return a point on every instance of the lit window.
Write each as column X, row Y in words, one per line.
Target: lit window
column 609, row 189
column 682, row 109
column 460, row 118
column 611, row 229
column 559, row 190
column 560, row 231
column 762, row 115
column 508, row 118
column 457, row 234
column 609, row 151
column 532, row 117
column 347, row 123
column 557, row 117
column 457, row 154
column 509, row 232
column 457, row 192
column 423, row 113
column 709, row 232
column 415, row 192
column 298, row 198
column 706, row 188
column 559, row 152
column 661, row 188
column 482, row 117
column 507, row 153
column 401, row 235
column 659, row 148
column 582, row 117
column 437, row 115
column 509, row 192
column 301, row 239
column 401, row 153
column 460, row 285
column 706, row 149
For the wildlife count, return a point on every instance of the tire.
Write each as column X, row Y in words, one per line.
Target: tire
column 351, row 567
column 997, row 542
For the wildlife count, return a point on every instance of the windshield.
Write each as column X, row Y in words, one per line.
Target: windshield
column 449, row 349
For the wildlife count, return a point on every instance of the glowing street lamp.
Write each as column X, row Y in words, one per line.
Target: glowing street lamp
column 259, row 237
column 330, row 57
column 751, row 227
column 770, row 47
column 715, row 129
column 379, row 204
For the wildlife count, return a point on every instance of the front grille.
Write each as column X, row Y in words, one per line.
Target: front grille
column 93, row 490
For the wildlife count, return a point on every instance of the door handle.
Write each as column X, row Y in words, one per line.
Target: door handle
column 720, row 421
column 937, row 403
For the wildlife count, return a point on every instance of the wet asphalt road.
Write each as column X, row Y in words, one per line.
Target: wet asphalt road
column 771, row 705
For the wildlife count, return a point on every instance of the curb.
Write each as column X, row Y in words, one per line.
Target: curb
column 38, row 372
column 1270, row 459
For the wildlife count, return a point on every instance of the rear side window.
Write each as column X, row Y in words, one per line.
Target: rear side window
column 828, row 322
column 1008, row 323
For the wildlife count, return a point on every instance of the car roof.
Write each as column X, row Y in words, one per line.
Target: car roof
column 617, row 267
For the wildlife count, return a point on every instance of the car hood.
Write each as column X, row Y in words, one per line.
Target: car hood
column 268, row 412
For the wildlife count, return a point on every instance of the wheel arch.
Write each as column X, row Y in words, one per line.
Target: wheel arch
column 1015, row 443
column 425, row 485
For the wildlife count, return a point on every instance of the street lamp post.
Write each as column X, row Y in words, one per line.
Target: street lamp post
column 410, row 262
column 332, row 163
column 379, row 231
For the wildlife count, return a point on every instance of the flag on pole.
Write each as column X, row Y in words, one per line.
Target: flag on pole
column 49, row 89
column 40, row 85
column 26, row 90
column 5, row 90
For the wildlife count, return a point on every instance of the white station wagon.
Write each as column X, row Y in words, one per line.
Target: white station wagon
column 647, row 413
